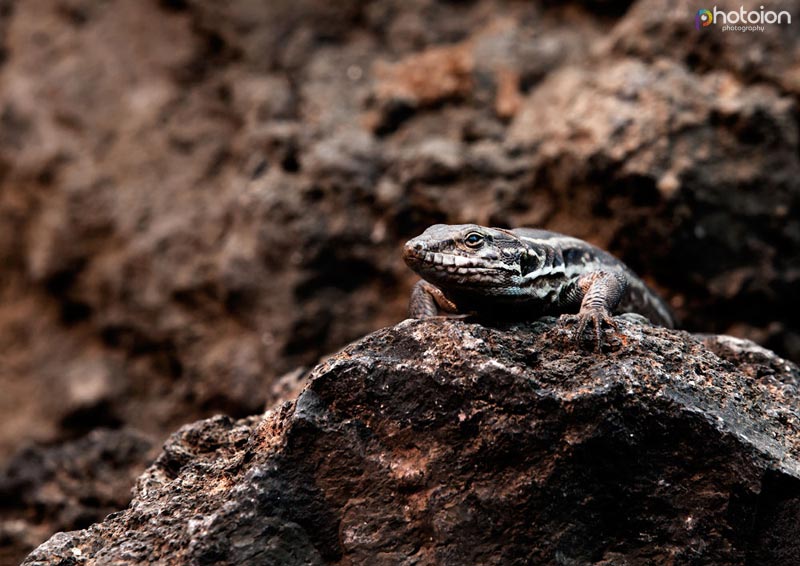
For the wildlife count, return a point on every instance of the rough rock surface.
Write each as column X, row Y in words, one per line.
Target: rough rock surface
column 447, row 442
column 197, row 198
column 73, row 484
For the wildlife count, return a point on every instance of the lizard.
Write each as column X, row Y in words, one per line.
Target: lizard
column 524, row 273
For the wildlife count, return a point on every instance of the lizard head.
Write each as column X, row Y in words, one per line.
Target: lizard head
column 467, row 257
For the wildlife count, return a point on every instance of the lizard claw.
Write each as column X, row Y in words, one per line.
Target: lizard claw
column 596, row 318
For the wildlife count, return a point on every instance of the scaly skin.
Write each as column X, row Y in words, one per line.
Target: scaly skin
column 523, row 274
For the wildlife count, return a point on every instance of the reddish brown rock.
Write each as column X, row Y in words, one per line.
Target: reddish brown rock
column 446, row 442
column 194, row 200
column 665, row 28
column 432, row 77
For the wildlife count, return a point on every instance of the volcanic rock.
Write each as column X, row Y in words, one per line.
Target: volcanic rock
column 449, row 442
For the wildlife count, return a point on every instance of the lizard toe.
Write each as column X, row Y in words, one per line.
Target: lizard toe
column 597, row 319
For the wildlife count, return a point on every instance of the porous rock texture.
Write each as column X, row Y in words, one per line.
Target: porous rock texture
column 198, row 199
column 448, row 442
column 73, row 483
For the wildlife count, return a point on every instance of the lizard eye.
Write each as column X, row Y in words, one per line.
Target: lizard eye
column 473, row 240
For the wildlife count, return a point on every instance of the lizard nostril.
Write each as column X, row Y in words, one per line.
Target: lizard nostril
column 413, row 249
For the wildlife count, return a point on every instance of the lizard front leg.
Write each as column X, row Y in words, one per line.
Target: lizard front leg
column 599, row 293
column 428, row 301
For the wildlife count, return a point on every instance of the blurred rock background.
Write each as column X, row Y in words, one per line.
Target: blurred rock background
column 199, row 199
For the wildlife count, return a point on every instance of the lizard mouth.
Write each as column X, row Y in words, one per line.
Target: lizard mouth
column 437, row 262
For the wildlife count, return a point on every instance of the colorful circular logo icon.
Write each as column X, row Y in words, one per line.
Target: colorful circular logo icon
column 703, row 18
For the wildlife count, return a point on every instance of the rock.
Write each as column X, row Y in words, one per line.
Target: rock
column 447, row 442
column 434, row 76
column 657, row 28
column 67, row 486
column 197, row 198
